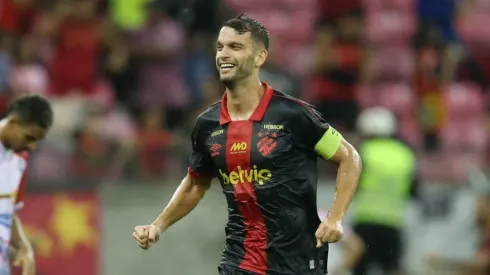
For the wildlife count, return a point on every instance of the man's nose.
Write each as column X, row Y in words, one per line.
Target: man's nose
column 223, row 55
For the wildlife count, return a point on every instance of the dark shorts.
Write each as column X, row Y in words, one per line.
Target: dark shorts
column 383, row 247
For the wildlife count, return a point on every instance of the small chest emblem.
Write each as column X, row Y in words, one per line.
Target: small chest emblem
column 267, row 143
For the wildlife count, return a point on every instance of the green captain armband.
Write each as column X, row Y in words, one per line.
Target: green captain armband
column 329, row 143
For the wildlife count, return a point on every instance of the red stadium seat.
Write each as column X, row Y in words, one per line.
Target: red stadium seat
column 247, row 6
column 366, row 96
column 393, row 63
column 295, row 26
column 481, row 4
column 470, row 29
column 465, row 135
column 463, row 100
column 390, row 27
column 294, row 5
column 400, row 5
column 398, row 97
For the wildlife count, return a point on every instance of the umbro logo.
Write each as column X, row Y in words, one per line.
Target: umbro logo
column 215, row 149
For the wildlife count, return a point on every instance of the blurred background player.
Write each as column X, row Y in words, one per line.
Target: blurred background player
column 27, row 122
column 387, row 183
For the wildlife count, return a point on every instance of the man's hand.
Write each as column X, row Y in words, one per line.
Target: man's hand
column 329, row 231
column 24, row 258
column 146, row 235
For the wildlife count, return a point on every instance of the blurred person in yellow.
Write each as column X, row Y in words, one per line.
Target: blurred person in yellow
column 129, row 14
column 27, row 122
column 263, row 146
column 387, row 182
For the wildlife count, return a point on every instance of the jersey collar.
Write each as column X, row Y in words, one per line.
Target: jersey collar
column 259, row 112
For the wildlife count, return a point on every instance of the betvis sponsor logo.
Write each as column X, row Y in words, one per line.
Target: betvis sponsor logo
column 241, row 175
column 238, row 147
column 273, row 127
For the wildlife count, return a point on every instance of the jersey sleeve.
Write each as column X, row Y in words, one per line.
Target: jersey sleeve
column 200, row 164
column 316, row 134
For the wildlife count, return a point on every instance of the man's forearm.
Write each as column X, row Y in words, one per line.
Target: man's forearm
column 185, row 199
column 18, row 238
column 347, row 180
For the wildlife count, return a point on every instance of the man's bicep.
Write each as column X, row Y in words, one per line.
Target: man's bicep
column 345, row 151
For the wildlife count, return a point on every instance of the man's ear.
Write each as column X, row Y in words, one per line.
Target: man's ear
column 261, row 58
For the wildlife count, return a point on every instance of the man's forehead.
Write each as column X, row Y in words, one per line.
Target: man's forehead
column 228, row 35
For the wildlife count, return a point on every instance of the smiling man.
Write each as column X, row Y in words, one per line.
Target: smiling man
column 262, row 146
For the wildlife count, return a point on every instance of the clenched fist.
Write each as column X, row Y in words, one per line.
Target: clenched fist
column 329, row 231
column 146, row 235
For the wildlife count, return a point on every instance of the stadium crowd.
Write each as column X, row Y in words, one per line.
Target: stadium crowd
column 127, row 78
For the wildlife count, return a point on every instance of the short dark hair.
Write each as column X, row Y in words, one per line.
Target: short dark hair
column 32, row 109
column 243, row 24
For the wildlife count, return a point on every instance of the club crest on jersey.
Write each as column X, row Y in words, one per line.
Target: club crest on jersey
column 267, row 143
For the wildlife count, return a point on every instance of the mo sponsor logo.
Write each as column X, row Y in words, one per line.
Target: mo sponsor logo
column 238, row 147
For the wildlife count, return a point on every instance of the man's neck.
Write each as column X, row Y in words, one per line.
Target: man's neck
column 243, row 97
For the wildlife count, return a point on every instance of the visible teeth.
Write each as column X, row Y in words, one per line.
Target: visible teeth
column 227, row 65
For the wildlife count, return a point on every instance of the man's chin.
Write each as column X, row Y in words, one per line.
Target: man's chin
column 227, row 78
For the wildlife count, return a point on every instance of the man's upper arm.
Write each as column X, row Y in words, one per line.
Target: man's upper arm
column 201, row 164
column 316, row 134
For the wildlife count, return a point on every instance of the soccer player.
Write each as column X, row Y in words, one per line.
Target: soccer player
column 27, row 122
column 262, row 146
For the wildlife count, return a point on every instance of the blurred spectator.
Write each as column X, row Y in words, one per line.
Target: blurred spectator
column 6, row 60
column 77, row 34
column 154, row 144
column 428, row 82
column 28, row 74
column 121, row 70
column 17, row 16
column 340, row 57
column 159, row 48
column 199, row 67
column 105, row 144
column 334, row 9
column 128, row 14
